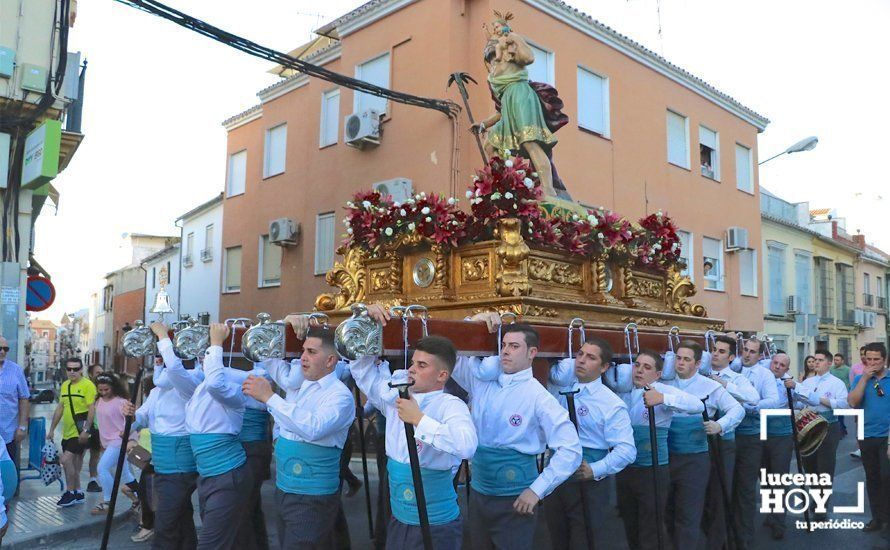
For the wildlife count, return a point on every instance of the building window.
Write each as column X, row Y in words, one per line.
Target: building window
column 274, row 150
column 744, row 169
column 237, row 176
column 678, row 139
column 776, row 275
column 542, row 69
column 269, row 263
column 687, row 254
column 709, row 152
column 843, row 347
column 232, row 269
column 748, row 272
column 207, row 251
column 712, row 263
column 375, row 71
column 593, row 102
column 330, row 118
column 824, row 290
column 846, row 294
column 189, row 249
column 867, row 298
column 324, row 242
column 879, row 292
column 153, row 277
column 803, row 274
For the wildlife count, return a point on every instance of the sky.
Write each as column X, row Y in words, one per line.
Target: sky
column 156, row 95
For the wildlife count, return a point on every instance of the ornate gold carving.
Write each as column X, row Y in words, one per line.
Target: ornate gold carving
column 474, row 268
column 677, row 289
column 441, row 276
column 554, row 272
column 395, row 272
column 379, row 280
column 349, row 278
column 521, row 310
column 716, row 326
column 648, row 288
column 512, row 253
column 646, row 321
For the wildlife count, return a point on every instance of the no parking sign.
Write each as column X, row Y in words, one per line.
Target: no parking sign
column 41, row 293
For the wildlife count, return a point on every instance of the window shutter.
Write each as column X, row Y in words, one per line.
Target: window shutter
column 707, row 137
column 271, row 262
column 324, row 243
column 233, row 268
column 375, row 71
column 330, row 117
column 678, row 148
column 541, row 70
column 237, row 173
column 743, row 169
column 591, row 101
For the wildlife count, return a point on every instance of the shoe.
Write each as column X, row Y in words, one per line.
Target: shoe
column 873, row 525
column 93, row 487
column 66, row 500
column 143, row 535
column 79, row 497
column 101, row 509
column 856, row 454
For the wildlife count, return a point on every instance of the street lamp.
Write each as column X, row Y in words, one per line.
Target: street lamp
column 807, row 144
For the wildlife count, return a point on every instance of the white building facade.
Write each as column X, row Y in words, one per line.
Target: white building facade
column 162, row 271
column 201, row 260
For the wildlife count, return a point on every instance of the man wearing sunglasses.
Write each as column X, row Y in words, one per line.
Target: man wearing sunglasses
column 14, row 405
column 77, row 394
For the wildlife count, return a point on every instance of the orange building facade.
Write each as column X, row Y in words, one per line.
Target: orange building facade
column 643, row 136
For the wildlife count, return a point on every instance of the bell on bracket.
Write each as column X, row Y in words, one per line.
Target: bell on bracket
column 162, row 303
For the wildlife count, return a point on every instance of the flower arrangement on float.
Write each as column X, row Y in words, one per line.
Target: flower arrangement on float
column 507, row 187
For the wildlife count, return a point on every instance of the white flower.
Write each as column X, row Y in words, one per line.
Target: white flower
column 409, row 201
column 423, row 194
column 591, row 218
column 381, row 210
column 397, row 204
column 478, row 192
column 349, row 204
column 574, row 217
column 521, row 172
column 366, row 204
column 600, row 236
column 508, row 164
column 508, row 195
column 475, row 177
column 657, row 246
column 477, row 200
column 528, row 182
column 411, row 226
column 452, row 200
column 428, row 219
column 388, row 231
column 534, row 174
column 495, row 196
column 514, row 206
column 402, row 212
column 345, row 222
column 425, row 210
column 469, row 194
column 507, row 153
column 675, row 246
column 349, row 230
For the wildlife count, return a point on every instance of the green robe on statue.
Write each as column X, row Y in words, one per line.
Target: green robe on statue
column 522, row 119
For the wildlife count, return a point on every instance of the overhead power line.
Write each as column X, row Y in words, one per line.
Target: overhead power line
column 445, row 106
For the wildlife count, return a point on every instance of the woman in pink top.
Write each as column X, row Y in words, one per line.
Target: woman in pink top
column 107, row 410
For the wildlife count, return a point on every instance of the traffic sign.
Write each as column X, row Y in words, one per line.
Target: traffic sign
column 41, row 293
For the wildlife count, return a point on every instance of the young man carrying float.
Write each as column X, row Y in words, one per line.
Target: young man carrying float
column 444, row 435
column 779, row 444
column 516, row 419
column 314, row 420
column 607, row 444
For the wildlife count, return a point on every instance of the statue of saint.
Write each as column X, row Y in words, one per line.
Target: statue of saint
column 527, row 112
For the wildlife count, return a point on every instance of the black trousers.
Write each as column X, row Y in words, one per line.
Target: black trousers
column 714, row 518
column 174, row 516
column 252, row 535
column 877, row 476
column 306, row 521
column 637, row 505
column 777, row 451
column 495, row 525
column 825, row 457
column 745, row 484
column 565, row 515
column 146, row 487
column 223, row 505
column 686, row 500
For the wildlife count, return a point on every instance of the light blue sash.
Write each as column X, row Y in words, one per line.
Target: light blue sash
column 255, row 425
column 778, row 426
column 217, row 454
column 593, row 455
column 172, row 454
column 502, row 472
column 750, row 425
column 644, row 446
column 829, row 416
column 441, row 500
column 307, row 469
column 687, row 435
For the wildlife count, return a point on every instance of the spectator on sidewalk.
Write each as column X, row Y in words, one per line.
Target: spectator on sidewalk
column 107, row 410
column 14, row 405
column 858, row 368
column 95, row 445
column 74, row 410
column 9, row 480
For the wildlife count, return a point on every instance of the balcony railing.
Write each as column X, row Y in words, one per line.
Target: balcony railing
column 187, row 260
column 868, row 300
column 882, row 303
column 206, row 254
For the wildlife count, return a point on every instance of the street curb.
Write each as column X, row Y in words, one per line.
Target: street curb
column 64, row 533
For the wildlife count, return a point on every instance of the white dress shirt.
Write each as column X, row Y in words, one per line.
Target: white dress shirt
column 675, row 400
column 810, row 391
column 185, row 385
column 163, row 413
column 718, row 399
column 738, row 386
column 445, row 435
column 217, row 404
column 516, row 412
column 319, row 412
column 764, row 381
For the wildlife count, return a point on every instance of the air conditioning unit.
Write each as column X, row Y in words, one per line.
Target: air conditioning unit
column 400, row 189
column 859, row 317
column 870, row 319
column 362, row 129
column 284, row 232
column 793, row 304
column 206, row 255
column 736, row 239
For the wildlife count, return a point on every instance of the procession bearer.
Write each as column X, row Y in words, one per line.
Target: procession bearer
column 313, row 421
column 516, row 419
column 607, row 444
column 444, row 435
column 636, row 497
column 176, row 474
column 748, row 446
column 213, row 417
column 688, row 445
column 779, row 442
column 824, row 393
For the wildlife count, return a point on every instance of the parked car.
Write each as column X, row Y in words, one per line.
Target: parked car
column 45, row 395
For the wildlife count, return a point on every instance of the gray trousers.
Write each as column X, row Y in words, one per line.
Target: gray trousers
column 877, row 476
column 714, row 517
column 686, row 498
column 223, row 505
column 825, row 457
column 745, row 484
column 494, row 524
column 253, row 535
column 306, row 521
column 174, row 517
column 566, row 520
column 637, row 505
column 777, row 452
column 447, row 536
